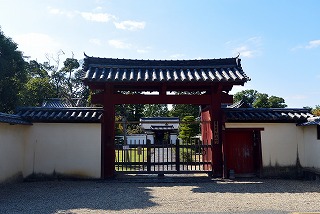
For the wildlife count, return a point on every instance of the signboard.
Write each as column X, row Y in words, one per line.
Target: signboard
column 125, row 147
column 216, row 132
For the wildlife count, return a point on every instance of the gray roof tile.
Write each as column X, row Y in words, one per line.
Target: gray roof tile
column 69, row 114
column 313, row 121
column 267, row 115
column 12, row 119
column 127, row 70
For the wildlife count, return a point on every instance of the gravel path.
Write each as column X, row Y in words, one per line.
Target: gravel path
column 161, row 195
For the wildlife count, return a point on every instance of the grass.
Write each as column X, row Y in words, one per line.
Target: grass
column 131, row 155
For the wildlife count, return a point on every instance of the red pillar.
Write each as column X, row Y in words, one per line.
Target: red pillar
column 107, row 136
column 216, row 126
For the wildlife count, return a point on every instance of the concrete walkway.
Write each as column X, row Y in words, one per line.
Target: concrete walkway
column 171, row 194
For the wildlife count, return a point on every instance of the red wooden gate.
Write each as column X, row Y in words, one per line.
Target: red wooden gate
column 242, row 151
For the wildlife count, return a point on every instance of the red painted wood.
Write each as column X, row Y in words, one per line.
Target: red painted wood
column 107, row 136
column 214, row 94
column 161, row 99
column 206, row 134
column 240, row 151
column 216, row 116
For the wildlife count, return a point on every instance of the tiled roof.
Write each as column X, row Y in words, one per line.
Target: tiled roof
column 128, row 70
column 162, row 128
column 93, row 115
column 162, row 119
column 240, row 104
column 70, row 115
column 266, row 115
column 56, row 103
column 12, row 119
column 313, row 121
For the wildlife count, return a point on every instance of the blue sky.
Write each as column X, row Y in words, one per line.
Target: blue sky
column 278, row 40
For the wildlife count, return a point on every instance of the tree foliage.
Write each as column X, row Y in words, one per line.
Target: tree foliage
column 12, row 73
column 259, row 100
column 188, row 128
column 155, row 110
column 184, row 110
column 316, row 110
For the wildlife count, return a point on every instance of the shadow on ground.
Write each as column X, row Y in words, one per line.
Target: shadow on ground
column 127, row 192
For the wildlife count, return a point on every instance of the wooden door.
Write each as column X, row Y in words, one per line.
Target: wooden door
column 240, row 151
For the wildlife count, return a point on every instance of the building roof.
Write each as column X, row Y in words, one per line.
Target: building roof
column 13, row 119
column 93, row 115
column 267, row 115
column 60, row 115
column 162, row 119
column 56, row 103
column 128, row 70
column 313, row 121
column 162, row 128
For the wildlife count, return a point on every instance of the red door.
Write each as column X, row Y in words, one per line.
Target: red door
column 240, row 151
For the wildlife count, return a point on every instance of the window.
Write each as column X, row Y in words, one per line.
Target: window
column 318, row 132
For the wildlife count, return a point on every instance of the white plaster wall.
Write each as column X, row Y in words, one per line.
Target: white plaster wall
column 68, row 148
column 173, row 138
column 280, row 142
column 311, row 147
column 11, row 151
column 136, row 139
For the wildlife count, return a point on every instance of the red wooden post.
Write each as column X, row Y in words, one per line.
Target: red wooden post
column 216, row 124
column 107, row 136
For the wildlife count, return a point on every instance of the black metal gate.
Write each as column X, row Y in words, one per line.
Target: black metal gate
column 142, row 157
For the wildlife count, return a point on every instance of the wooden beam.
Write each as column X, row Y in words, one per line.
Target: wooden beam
column 161, row 99
column 97, row 98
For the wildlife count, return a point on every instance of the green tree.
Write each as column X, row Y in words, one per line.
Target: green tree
column 12, row 74
column 38, row 86
column 188, row 128
column 316, row 110
column 36, row 91
column 259, row 100
column 155, row 110
column 247, row 96
column 67, row 79
column 276, row 102
column 183, row 110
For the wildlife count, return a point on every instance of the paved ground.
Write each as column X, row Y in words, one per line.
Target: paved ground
column 161, row 195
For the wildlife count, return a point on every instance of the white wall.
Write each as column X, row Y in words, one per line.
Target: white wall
column 66, row 148
column 11, row 151
column 311, row 147
column 137, row 139
column 279, row 142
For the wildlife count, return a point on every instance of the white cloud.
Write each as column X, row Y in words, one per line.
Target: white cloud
column 119, row 44
column 56, row 11
column 142, row 51
column 297, row 97
column 244, row 51
column 100, row 17
column 130, row 25
column 177, row 56
column 95, row 41
column 98, row 8
column 313, row 44
column 37, row 44
column 249, row 48
column 97, row 17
